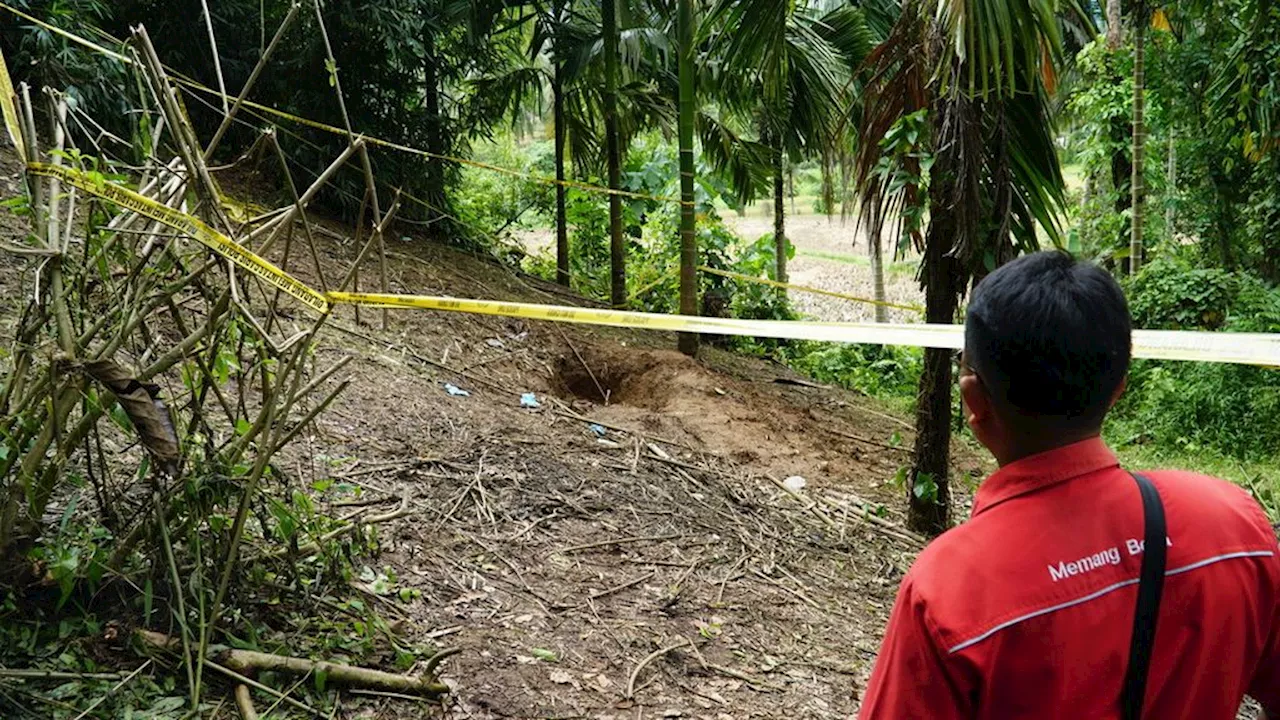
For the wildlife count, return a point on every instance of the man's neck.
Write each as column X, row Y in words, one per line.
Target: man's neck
column 1034, row 444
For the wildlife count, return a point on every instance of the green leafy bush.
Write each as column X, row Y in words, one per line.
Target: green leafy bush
column 1165, row 295
column 1202, row 407
column 884, row 371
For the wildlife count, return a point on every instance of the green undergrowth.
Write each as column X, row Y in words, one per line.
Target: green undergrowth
column 1260, row 477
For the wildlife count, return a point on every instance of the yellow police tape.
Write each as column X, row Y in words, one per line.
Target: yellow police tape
column 10, row 111
column 1246, row 348
column 216, row 241
column 805, row 288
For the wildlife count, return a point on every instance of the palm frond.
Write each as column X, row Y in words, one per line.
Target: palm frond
column 744, row 163
column 507, row 93
column 996, row 42
column 846, row 29
column 896, row 87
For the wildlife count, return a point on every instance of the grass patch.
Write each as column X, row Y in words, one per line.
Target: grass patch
column 895, row 269
column 1260, row 477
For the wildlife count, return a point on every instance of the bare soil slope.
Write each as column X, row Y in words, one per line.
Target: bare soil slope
column 625, row 549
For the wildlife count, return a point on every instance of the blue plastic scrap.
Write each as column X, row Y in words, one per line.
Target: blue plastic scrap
column 455, row 391
column 529, row 400
column 598, row 429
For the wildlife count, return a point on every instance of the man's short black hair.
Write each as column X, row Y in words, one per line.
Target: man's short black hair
column 1050, row 336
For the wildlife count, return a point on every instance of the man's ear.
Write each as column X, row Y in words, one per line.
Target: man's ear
column 1119, row 391
column 977, row 401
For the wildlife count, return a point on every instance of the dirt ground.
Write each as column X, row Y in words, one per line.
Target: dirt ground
column 628, row 548
column 660, row 537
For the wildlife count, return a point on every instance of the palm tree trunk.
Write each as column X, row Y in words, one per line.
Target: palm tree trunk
column 688, row 342
column 791, row 186
column 1121, row 167
column 876, row 251
column 1171, row 186
column 1115, row 28
column 779, row 211
column 617, row 248
column 435, row 138
column 828, row 185
column 562, row 224
column 929, row 494
column 928, row 491
column 1139, row 140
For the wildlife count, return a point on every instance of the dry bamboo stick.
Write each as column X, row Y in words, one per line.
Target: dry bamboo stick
column 217, row 61
column 244, row 703
column 299, row 210
column 245, row 662
column 230, row 115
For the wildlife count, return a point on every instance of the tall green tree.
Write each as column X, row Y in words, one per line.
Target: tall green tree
column 797, row 56
column 688, row 342
column 613, row 154
column 1141, row 17
column 991, row 178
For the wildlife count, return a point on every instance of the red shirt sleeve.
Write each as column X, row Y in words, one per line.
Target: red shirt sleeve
column 913, row 676
column 1265, row 686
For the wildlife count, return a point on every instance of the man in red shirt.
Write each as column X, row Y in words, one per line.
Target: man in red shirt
column 1027, row 610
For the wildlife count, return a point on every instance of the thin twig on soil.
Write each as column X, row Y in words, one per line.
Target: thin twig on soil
column 392, row 695
column 808, row 504
column 616, row 541
column 754, row 683
column 631, row 681
column 599, row 388
column 791, row 591
column 624, row 586
column 869, row 441
column 102, row 698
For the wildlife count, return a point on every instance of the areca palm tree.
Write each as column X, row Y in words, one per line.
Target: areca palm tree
column 613, row 153
column 795, row 58
column 565, row 56
column 688, row 342
column 975, row 69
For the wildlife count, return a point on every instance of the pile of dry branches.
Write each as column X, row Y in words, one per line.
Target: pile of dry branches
column 160, row 373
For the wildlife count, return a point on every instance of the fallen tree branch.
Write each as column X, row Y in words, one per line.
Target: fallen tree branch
column 25, row 674
column 250, row 661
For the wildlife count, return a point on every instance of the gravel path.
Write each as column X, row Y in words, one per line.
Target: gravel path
column 829, row 256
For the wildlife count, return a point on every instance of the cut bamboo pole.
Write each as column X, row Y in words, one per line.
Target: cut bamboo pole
column 230, row 115
column 249, row 662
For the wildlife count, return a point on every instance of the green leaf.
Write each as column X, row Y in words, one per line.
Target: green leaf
column 925, row 488
column 322, row 678
column 545, row 655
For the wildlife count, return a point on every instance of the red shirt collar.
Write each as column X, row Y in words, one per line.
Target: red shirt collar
column 1035, row 472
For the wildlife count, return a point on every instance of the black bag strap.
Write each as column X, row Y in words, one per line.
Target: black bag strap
column 1150, row 585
